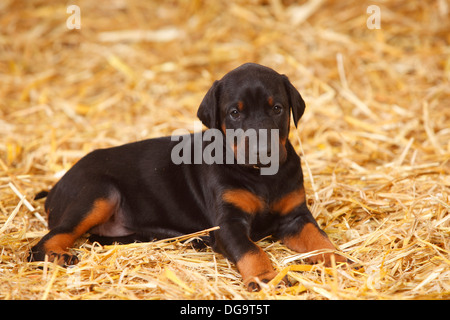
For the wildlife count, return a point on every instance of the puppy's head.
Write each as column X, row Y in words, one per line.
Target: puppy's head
column 253, row 100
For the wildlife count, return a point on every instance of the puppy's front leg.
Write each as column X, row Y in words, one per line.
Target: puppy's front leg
column 299, row 231
column 233, row 241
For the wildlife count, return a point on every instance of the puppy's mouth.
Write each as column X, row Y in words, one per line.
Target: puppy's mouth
column 257, row 161
column 258, row 151
column 260, row 165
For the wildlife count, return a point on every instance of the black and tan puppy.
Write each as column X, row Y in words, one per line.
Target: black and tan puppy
column 139, row 192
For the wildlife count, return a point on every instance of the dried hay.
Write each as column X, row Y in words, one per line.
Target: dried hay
column 375, row 136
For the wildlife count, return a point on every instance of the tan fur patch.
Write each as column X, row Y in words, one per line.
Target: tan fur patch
column 289, row 202
column 244, row 200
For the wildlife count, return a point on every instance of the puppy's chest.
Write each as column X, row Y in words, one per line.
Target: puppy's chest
column 265, row 221
column 262, row 204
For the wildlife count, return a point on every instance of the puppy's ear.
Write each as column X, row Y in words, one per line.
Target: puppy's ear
column 208, row 112
column 296, row 102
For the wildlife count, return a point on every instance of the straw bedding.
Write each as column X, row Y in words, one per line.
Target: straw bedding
column 374, row 140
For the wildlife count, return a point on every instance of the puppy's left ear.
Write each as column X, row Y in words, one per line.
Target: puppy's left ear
column 296, row 102
column 208, row 112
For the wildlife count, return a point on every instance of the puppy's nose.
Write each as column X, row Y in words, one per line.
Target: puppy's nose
column 258, row 151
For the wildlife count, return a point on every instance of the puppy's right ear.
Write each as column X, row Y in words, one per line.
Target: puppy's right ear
column 208, row 112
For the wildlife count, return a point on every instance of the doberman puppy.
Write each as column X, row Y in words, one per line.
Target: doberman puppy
column 136, row 192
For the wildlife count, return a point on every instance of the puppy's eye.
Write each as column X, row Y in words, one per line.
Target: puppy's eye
column 234, row 114
column 277, row 108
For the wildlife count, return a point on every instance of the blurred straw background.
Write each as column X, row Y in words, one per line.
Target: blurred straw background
column 375, row 137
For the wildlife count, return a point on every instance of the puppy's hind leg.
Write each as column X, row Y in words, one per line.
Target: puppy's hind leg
column 79, row 217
